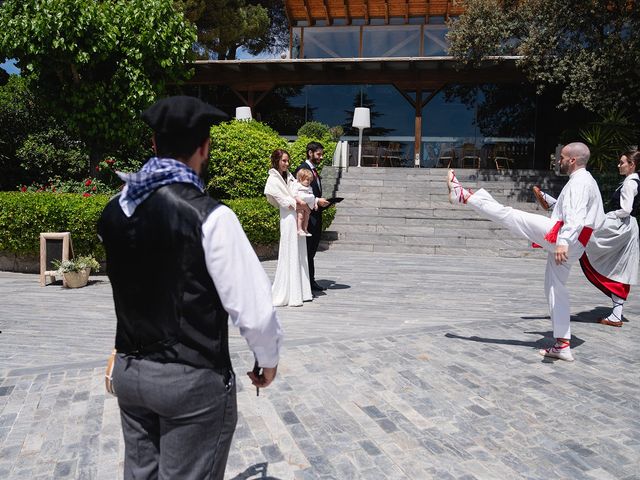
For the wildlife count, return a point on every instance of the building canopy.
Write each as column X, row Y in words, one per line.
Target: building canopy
column 311, row 12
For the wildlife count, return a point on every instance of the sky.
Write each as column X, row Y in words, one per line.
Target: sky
column 9, row 66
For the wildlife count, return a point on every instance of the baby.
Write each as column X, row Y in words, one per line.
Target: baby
column 303, row 191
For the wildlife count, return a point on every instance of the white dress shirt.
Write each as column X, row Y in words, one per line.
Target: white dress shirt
column 242, row 284
column 579, row 205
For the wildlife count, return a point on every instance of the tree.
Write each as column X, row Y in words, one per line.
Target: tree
column 588, row 49
column 226, row 25
column 96, row 64
column 20, row 116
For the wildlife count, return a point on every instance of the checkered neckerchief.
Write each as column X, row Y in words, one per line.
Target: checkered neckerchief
column 156, row 173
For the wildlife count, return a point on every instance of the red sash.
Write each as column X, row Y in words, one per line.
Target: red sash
column 552, row 235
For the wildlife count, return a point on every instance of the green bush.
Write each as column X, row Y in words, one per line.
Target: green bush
column 23, row 216
column 298, row 150
column 313, row 130
column 240, row 158
column 260, row 221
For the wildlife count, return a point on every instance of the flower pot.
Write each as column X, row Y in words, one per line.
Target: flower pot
column 77, row 279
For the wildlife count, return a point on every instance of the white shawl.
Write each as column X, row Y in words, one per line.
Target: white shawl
column 278, row 192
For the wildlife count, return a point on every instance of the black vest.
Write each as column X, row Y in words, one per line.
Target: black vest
column 615, row 199
column 167, row 306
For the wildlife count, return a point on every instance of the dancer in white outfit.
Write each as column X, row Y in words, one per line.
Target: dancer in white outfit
column 291, row 283
column 577, row 213
column 611, row 259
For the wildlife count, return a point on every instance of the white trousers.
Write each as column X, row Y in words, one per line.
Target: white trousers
column 534, row 227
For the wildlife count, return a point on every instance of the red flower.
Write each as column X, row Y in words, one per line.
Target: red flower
column 97, row 168
column 94, row 188
column 85, row 194
column 88, row 182
column 23, row 188
column 110, row 161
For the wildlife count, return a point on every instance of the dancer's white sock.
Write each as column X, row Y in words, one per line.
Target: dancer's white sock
column 616, row 313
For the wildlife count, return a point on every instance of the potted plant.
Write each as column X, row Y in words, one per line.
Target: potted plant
column 76, row 271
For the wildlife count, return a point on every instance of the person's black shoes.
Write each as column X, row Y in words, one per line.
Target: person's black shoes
column 317, row 287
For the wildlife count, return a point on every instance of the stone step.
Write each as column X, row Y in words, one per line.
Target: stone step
column 427, row 200
column 455, row 212
column 407, row 210
column 439, row 174
column 345, row 222
column 450, row 238
column 494, row 251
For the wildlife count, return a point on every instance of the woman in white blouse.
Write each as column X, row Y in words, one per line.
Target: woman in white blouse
column 291, row 282
column 611, row 258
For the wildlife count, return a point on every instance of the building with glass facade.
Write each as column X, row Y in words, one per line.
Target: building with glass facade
column 391, row 56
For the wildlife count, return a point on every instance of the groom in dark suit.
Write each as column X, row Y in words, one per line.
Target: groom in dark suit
column 315, row 151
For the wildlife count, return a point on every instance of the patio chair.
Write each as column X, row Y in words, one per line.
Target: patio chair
column 470, row 156
column 501, row 158
column 446, row 158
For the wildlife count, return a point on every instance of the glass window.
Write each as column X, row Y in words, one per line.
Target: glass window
column 331, row 42
column 467, row 125
column 391, row 41
column 435, row 40
column 437, row 20
column 448, row 124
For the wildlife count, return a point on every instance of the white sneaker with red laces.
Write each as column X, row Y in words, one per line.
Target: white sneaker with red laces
column 561, row 351
column 457, row 194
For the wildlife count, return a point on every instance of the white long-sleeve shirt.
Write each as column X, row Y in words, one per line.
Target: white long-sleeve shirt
column 242, row 284
column 628, row 192
column 579, row 205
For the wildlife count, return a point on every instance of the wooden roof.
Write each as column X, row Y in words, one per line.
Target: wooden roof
column 311, row 11
column 407, row 73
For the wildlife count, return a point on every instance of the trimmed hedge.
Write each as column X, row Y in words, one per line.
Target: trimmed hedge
column 23, row 216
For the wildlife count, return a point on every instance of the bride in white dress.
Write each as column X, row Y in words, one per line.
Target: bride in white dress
column 291, row 284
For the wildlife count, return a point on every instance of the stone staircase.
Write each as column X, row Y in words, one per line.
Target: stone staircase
column 407, row 210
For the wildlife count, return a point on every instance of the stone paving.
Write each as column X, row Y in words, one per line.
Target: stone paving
column 409, row 367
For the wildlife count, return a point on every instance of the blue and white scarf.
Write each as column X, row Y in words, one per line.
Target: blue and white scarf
column 156, row 173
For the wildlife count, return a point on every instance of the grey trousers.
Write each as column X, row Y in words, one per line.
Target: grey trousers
column 177, row 420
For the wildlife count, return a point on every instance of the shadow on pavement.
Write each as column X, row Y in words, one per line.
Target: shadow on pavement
column 331, row 285
column 257, row 469
column 545, row 341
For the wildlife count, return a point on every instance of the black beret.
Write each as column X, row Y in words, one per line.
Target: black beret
column 181, row 115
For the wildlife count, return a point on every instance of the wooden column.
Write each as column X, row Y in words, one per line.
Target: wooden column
column 418, row 132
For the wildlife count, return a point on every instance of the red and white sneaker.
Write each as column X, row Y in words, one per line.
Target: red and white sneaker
column 457, row 194
column 561, row 351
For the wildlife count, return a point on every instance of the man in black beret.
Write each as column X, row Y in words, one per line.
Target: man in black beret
column 180, row 267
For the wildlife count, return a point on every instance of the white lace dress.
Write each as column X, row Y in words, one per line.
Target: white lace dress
column 291, row 283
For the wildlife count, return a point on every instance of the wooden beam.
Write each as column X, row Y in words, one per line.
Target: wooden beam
column 417, row 145
column 366, row 11
column 405, row 95
column 307, row 11
column 347, row 16
column 427, row 11
column 446, row 15
column 386, row 12
column 326, row 12
column 432, row 95
column 406, row 11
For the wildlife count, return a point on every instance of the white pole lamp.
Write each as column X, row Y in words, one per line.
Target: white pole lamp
column 361, row 120
column 243, row 114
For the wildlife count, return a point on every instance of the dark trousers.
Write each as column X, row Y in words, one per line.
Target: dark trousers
column 177, row 420
column 315, row 229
